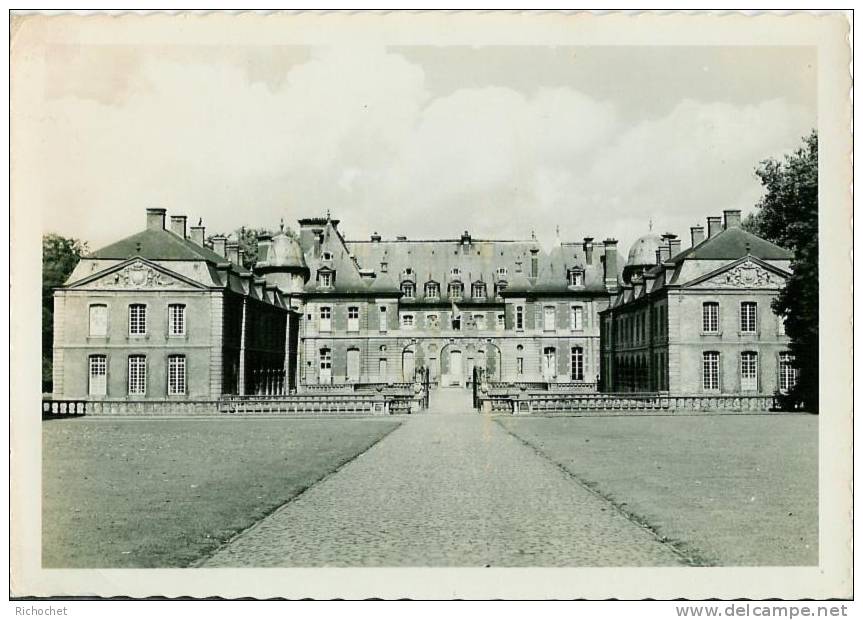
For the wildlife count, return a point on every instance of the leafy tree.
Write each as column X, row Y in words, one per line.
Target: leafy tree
column 59, row 257
column 788, row 215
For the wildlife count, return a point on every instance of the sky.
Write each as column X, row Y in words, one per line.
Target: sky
column 422, row 141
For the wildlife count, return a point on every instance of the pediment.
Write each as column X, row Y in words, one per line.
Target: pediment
column 138, row 275
column 746, row 274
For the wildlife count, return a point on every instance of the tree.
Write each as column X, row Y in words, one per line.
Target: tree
column 787, row 215
column 59, row 257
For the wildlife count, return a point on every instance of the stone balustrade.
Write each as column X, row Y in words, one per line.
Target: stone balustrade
column 544, row 402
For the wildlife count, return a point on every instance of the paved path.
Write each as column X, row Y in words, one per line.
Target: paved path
column 446, row 489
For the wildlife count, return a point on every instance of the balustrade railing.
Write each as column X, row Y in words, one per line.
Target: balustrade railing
column 534, row 402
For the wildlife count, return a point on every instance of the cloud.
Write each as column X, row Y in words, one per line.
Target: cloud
column 356, row 131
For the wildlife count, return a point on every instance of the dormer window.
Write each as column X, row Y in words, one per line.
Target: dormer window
column 384, row 267
column 455, row 290
column 326, row 279
column 432, row 290
column 455, row 272
column 409, row 271
column 408, row 289
column 327, row 256
column 501, row 273
column 477, row 290
column 576, row 277
column 499, row 288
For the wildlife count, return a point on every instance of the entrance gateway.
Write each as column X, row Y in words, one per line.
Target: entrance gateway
column 455, row 368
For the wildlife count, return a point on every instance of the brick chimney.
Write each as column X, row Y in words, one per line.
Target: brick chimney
column 674, row 246
column 732, row 218
column 588, row 250
column 714, row 226
column 219, row 245
column 697, row 233
column 197, row 234
column 610, row 263
column 178, row 225
column 232, row 252
column 155, row 219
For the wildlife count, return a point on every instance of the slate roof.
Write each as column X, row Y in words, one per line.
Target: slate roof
column 161, row 245
column 733, row 243
column 433, row 260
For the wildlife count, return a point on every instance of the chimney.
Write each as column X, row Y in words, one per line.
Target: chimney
column 697, row 233
column 232, row 252
column 588, row 250
column 197, row 234
column 610, row 263
column 219, row 244
column 318, row 240
column 178, row 225
column 714, row 226
column 659, row 255
column 241, row 257
column 264, row 242
column 465, row 238
column 376, row 237
column 664, row 253
column 155, row 219
column 401, row 238
column 732, row 218
column 674, row 246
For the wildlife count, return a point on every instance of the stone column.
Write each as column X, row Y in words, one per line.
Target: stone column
column 241, row 388
column 287, row 365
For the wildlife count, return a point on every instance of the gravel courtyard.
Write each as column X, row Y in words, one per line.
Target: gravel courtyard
column 448, row 489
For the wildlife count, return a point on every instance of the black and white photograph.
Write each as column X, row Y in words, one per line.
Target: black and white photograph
column 438, row 291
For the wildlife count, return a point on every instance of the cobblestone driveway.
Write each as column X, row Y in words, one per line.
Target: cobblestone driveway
column 446, row 489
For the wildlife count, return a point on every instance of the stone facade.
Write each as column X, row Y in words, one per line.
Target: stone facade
column 699, row 321
column 162, row 315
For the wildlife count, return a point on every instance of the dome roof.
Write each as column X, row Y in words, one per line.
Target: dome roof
column 643, row 251
column 283, row 251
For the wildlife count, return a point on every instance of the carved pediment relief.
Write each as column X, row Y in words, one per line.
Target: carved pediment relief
column 745, row 275
column 137, row 276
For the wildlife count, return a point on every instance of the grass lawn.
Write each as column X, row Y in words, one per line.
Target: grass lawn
column 158, row 493
column 730, row 490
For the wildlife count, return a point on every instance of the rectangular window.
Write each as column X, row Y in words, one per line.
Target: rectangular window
column 408, row 290
column 176, row 375
column 787, row 372
column 137, row 375
column 519, row 365
column 577, row 318
column 748, row 317
column 353, row 319
column 137, row 320
column 501, row 322
column 576, row 278
column 176, row 320
column 749, row 371
column 455, row 290
column 407, row 321
column 479, row 321
column 477, row 290
column 432, row 321
column 353, row 365
column 432, row 290
column 519, row 317
column 98, row 375
column 326, row 314
column 326, row 279
column 383, row 319
column 577, row 364
column 710, row 317
column 711, row 371
column 549, row 318
column 98, row 320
